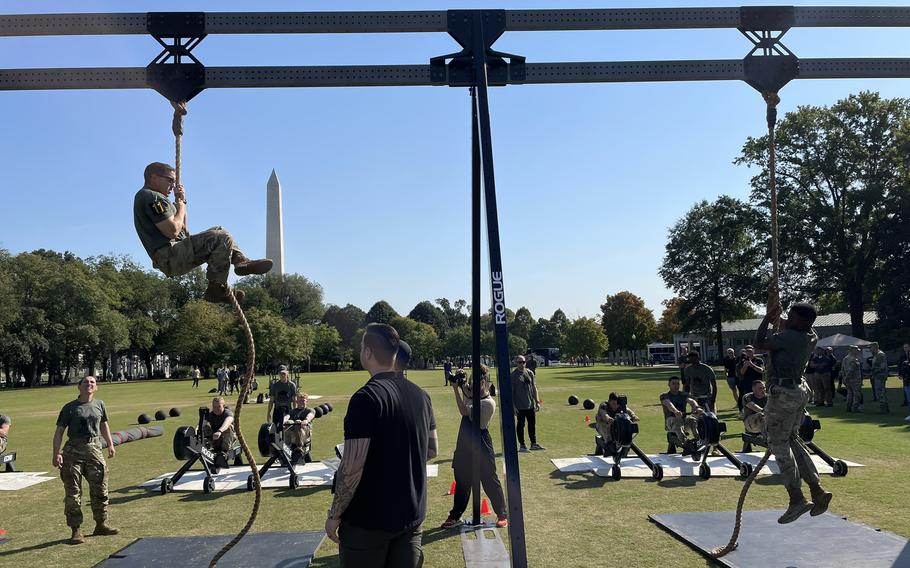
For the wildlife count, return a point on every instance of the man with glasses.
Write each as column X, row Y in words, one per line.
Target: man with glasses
column 526, row 402
column 162, row 228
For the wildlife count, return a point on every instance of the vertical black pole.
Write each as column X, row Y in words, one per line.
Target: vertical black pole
column 510, row 445
column 475, row 307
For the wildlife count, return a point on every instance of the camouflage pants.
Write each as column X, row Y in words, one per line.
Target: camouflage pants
column 754, row 423
column 783, row 415
column 84, row 459
column 878, row 385
column 213, row 246
column 679, row 427
column 854, row 394
column 224, row 442
column 298, row 435
column 3, row 443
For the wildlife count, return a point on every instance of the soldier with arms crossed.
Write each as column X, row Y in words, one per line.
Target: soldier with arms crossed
column 85, row 422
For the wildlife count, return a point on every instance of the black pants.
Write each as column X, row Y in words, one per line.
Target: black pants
column 531, row 417
column 195, row 382
column 464, row 477
column 365, row 548
column 745, row 387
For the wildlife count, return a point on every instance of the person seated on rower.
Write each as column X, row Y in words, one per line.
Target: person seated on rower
column 603, row 423
column 219, row 426
column 298, row 425
column 754, row 409
column 5, row 424
column 676, row 421
column 162, row 228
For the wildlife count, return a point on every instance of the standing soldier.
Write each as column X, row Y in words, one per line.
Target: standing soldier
column 702, row 382
column 85, row 421
column 852, row 375
column 879, row 376
column 281, row 397
column 788, row 394
column 526, row 401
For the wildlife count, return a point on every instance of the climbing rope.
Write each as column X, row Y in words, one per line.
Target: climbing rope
column 177, row 127
column 772, row 100
column 244, row 391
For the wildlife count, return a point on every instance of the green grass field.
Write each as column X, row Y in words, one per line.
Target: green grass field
column 571, row 520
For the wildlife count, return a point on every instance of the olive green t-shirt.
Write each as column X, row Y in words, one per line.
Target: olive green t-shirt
column 522, row 389
column 699, row 378
column 283, row 393
column 82, row 419
column 149, row 208
column 790, row 350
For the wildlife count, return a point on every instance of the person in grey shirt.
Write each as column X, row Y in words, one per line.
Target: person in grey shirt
column 702, row 382
column 526, row 402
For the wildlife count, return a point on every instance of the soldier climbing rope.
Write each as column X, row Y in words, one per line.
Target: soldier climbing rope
column 180, row 112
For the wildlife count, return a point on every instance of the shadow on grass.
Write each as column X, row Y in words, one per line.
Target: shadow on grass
column 689, row 481
column 34, row 547
column 301, row 492
column 132, row 494
column 588, row 480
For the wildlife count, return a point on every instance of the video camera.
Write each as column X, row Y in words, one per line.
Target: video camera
column 460, row 377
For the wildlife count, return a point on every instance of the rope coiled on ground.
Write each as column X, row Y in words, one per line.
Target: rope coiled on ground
column 772, row 100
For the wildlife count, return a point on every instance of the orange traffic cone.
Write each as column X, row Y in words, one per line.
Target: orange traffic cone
column 451, row 489
column 587, row 419
column 485, row 508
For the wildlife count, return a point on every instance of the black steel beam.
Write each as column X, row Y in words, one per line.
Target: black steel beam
column 435, row 21
column 419, row 75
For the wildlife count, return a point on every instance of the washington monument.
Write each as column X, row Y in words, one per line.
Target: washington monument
column 274, row 225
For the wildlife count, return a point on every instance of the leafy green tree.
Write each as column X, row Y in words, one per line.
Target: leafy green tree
column 561, row 322
column 429, row 314
column 713, row 259
column 517, row 346
column 456, row 313
column 297, row 299
column 670, row 322
column 586, row 337
column 326, row 344
column 204, row 334
column 457, row 342
column 839, row 177
column 545, row 334
column 346, row 320
column 523, row 323
column 627, row 323
column 381, row 312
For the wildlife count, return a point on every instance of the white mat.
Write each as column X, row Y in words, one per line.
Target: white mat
column 22, row 479
column 316, row 474
column 677, row 466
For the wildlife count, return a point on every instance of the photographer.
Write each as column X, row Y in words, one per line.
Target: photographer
column 467, row 446
column 603, row 422
column 751, row 369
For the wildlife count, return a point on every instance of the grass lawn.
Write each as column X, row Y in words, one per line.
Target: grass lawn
column 571, row 519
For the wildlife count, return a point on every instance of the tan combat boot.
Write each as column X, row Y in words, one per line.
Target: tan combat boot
column 217, row 293
column 244, row 266
column 820, row 500
column 101, row 529
column 77, row 537
column 798, row 506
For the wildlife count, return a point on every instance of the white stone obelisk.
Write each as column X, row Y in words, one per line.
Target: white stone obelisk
column 274, row 225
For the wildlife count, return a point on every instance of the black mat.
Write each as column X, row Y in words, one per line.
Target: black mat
column 826, row 541
column 266, row 550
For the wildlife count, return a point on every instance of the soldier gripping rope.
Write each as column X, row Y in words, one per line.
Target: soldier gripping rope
column 603, row 424
column 789, row 351
column 162, row 228
column 84, row 420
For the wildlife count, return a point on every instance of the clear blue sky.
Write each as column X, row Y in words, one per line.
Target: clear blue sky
column 376, row 180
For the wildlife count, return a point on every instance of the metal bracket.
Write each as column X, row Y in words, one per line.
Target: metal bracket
column 178, row 33
column 462, row 25
column 769, row 65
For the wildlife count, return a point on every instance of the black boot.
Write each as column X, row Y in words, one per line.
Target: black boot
column 798, row 506
column 244, row 266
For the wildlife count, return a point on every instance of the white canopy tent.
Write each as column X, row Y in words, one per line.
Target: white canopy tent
column 841, row 340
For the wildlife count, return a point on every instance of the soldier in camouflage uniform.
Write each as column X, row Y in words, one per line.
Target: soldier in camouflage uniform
column 879, row 376
column 852, row 374
column 162, row 228
column 603, row 424
column 789, row 351
column 676, row 421
column 85, row 422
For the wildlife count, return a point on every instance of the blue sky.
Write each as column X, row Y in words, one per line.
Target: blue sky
column 377, row 180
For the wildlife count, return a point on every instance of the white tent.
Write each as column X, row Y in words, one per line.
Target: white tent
column 841, row 340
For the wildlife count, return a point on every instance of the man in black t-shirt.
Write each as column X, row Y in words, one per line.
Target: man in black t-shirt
column 751, row 369
column 381, row 485
column 219, row 426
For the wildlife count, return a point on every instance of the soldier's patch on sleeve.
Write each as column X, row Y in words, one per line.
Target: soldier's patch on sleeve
column 159, row 206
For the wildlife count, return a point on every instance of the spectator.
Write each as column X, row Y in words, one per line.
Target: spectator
column 234, row 379
column 381, row 483
column 702, row 382
column 819, row 375
column 526, row 402
column 751, row 369
column 730, row 364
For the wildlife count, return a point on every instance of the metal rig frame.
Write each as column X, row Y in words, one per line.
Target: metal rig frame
column 178, row 75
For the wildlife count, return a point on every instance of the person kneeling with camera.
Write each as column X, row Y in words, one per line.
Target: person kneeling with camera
column 467, row 447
